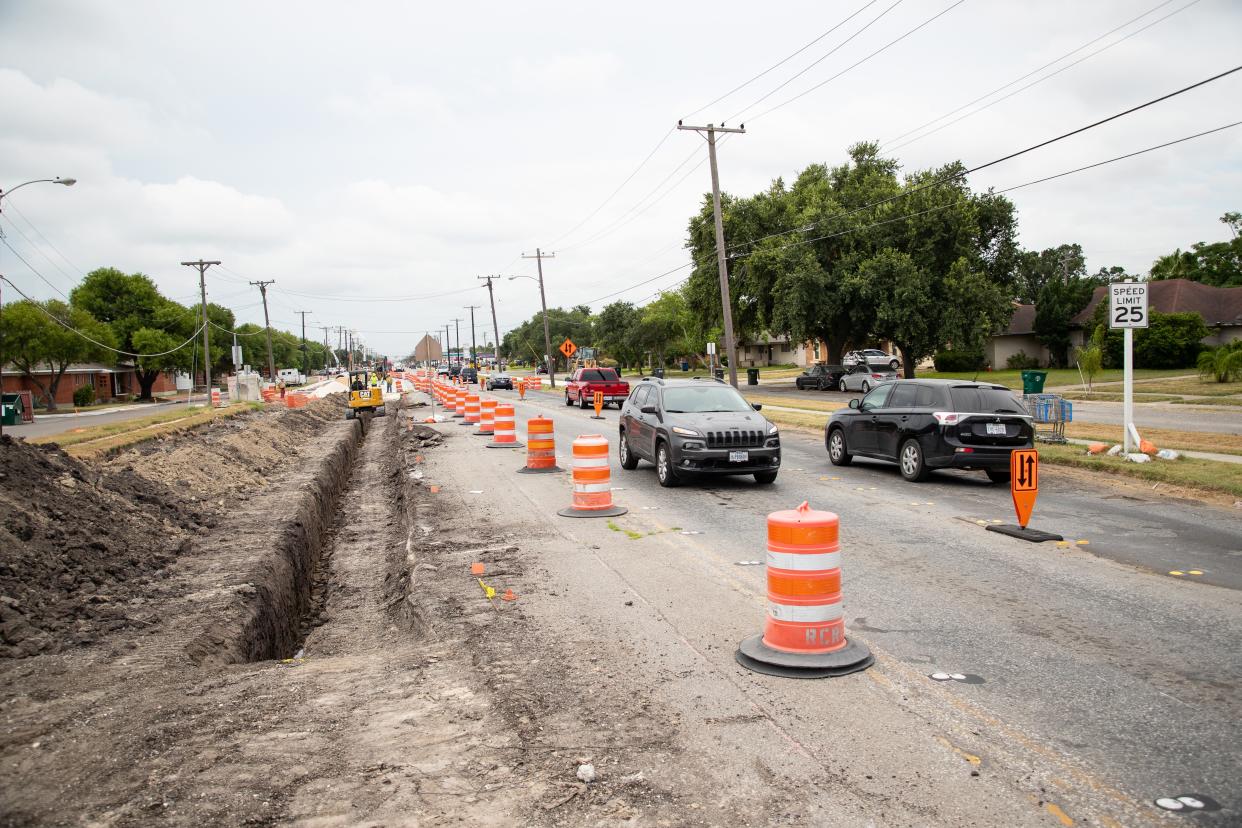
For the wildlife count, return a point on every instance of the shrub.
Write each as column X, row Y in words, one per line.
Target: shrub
column 1221, row 364
column 1020, row 361
column 958, row 361
column 84, row 395
column 1172, row 340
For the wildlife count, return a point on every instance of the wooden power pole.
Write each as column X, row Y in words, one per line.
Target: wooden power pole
column 202, row 286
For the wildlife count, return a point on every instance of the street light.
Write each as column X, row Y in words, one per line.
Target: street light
column 68, row 182
column 547, row 339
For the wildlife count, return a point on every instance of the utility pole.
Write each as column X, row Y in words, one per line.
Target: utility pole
column 721, row 257
column 495, row 327
column 547, row 338
column 271, row 365
column 474, row 351
column 457, row 347
column 305, row 352
column 202, row 286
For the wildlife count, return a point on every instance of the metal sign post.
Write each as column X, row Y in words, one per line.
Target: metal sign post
column 1127, row 309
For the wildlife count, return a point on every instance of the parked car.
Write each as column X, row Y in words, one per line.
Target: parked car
column 932, row 424
column 865, row 377
column 542, row 369
column 585, row 382
column 696, row 426
column 821, row 377
column 871, row 356
column 501, row 380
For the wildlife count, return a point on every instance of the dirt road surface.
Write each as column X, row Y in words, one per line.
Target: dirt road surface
column 324, row 656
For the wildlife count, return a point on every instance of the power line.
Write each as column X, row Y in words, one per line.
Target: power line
column 50, row 260
column 48, row 241
column 785, row 60
column 1037, row 81
column 32, row 268
column 854, row 65
column 822, row 58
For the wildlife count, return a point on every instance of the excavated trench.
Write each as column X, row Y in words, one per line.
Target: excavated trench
column 273, row 558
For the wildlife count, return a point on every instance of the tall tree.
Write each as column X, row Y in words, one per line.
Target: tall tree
column 1218, row 264
column 616, row 332
column 43, row 349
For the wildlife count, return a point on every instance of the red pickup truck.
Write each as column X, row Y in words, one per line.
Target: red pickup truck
column 586, row 381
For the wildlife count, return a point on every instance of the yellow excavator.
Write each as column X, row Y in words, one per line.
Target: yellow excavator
column 365, row 400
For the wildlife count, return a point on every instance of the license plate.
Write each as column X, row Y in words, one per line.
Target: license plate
column 996, row 428
column 739, row 456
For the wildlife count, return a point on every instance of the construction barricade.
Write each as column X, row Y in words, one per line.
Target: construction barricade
column 459, row 403
column 540, row 447
column 804, row 634
column 472, row 410
column 296, row 400
column 504, row 428
column 592, row 495
column 215, row 398
column 487, row 418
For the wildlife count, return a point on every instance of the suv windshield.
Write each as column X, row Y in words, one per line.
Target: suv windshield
column 968, row 399
column 703, row 399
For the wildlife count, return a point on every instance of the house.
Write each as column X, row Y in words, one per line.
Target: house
column 1019, row 336
column 110, row 382
column 1221, row 308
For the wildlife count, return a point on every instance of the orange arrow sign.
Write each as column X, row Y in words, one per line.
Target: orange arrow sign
column 1024, row 482
column 598, row 400
column 568, row 348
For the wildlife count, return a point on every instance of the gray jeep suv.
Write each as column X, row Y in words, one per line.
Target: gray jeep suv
column 696, row 426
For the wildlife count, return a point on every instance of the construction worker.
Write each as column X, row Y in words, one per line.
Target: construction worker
column 281, row 385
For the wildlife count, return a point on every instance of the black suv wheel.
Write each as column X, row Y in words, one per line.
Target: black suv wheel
column 664, row 467
column 911, row 460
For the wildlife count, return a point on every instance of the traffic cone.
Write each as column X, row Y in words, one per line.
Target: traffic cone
column 804, row 635
column 592, row 480
column 540, row 447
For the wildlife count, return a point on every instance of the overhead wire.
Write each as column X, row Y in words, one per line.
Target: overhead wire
column 895, row 146
column 39, row 233
column 42, row 253
column 852, row 66
column 784, row 60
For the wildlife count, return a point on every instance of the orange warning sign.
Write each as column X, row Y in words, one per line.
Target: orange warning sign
column 568, row 348
column 597, row 399
column 1024, row 482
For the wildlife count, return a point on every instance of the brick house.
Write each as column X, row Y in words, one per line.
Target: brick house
column 111, row 383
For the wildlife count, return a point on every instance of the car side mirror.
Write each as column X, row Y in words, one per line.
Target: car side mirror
column 855, row 403
column 648, row 409
column 757, row 406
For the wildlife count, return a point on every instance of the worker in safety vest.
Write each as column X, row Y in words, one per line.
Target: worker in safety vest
column 374, row 380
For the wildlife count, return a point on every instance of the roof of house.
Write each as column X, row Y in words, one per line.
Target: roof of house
column 1022, row 323
column 1217, row 306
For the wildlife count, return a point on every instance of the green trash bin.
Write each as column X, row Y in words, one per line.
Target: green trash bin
column 11, row 409
column 1033, row 382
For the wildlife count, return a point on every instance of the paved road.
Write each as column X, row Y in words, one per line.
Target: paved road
column 1107, row 682
column 45, row 425
column 1217, row 420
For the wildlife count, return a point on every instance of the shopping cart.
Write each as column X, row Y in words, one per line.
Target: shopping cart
column 1049, row 414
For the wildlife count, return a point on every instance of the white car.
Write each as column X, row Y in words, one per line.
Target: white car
column 865, row 377
column 871, row 356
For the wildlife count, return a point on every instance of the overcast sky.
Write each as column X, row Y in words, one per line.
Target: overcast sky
column 386, row 150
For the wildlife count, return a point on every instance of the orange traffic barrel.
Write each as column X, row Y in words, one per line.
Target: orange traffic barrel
column 472, row 410
column 540, row 447
column 459, row 403
column 504, row 428
column 215, row 397
column 592, row 480
column 535, row 383
column 487, row 418
column 804, row 634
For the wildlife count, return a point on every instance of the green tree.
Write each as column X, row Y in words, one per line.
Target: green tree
column 616, row 333
column 1218, row 264
column 1057, row 304
column 1090, row 358
column 1223, row 363
column 666, row 327
column 43, row 349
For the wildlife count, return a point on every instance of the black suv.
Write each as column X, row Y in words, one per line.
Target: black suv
column 469, row 374
column 932, row 424
column 696, row 426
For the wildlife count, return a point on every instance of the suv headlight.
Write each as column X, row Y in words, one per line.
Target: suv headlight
column 772, row 429
column 686, row 432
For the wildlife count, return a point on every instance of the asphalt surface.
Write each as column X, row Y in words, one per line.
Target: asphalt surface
column 45, row 425
column 1106, row 681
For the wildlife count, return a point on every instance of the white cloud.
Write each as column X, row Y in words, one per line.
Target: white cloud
column 582, row 72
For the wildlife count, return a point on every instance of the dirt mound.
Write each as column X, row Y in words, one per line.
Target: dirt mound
column 228, row 457
column 78, row 545
column 84, row 547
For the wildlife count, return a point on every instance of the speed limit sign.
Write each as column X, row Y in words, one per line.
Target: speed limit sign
column 1127, row 305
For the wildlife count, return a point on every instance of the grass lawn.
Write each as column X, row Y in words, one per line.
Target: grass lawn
column 1196, row 387
column 1109, row 396
column 1060, row 376
column 809, row 420
column 1199, row 474
column 1211, row 401
column 97, row 440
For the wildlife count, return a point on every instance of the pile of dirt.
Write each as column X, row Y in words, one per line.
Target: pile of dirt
column 79, row 546
column 228, row 457
column 85, row 547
